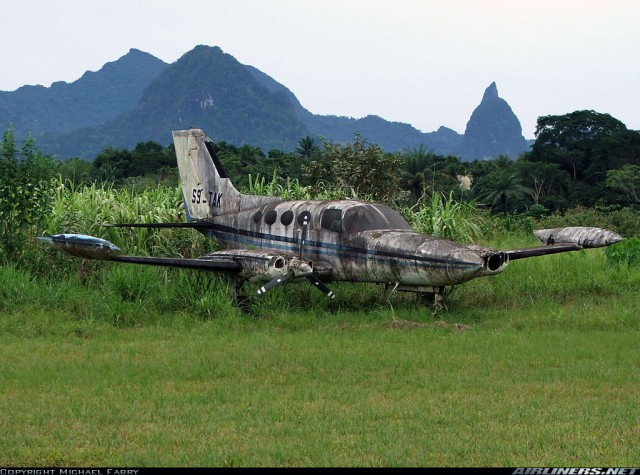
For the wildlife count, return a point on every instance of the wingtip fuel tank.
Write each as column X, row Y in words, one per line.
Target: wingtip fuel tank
column 587, row 237
column 81, row 245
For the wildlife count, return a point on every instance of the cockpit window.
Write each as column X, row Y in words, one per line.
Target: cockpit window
column 370, row 217
column 332, row 219
column 395, row 219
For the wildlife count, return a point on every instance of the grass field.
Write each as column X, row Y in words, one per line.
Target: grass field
column 538, row 366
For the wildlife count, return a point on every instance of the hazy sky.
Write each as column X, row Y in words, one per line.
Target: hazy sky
column 423, row 62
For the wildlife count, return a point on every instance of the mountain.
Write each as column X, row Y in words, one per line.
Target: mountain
column 140, row 98
column 205, row 88
column 391, row 136
column 91, row 100
column 493, row 129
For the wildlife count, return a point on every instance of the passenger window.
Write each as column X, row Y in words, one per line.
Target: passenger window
column 302, row 216
column 271, row 217
column 286, row 218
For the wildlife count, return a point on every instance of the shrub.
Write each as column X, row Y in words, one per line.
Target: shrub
column 625, row 252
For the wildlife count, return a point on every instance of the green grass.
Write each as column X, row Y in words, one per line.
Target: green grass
column 358, row 396
column 133, row 366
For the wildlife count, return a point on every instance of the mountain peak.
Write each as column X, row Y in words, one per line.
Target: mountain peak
column 491, row 92
column 95, row 98
column 493, row 129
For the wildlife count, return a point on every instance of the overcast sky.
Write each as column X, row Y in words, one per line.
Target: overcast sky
column 423, row 62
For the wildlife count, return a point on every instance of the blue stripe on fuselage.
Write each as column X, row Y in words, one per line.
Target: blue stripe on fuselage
column 290, row 244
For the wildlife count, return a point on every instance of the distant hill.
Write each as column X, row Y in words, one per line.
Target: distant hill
column 139, row 98
column 91, row 100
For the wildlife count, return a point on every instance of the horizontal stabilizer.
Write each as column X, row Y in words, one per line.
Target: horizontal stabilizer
column 193, row 225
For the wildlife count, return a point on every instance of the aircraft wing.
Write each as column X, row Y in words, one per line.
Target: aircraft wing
column 202, row 263
column 540, row 251
column 254, row 265
column 90, row 247
column 566, row 239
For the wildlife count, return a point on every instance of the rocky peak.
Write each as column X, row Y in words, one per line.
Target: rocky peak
column 491, row 92
column 493, row 129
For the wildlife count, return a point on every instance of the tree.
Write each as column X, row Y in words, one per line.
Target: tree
column 76, row 170
column 413, row 173
column 361, row 167
column 307, row 148
column 149, row 157
column 8, row 155
column 25, row 192
column 425, row 171
column 548, row 183
column 586, row 145
column 627, row 181
column 574, row 140
column 502, row 161
column 501, row 189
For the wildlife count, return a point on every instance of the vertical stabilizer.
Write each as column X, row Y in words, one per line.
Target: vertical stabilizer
column 206, row 189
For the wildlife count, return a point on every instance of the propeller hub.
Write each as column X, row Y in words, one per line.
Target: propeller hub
column 300, row 268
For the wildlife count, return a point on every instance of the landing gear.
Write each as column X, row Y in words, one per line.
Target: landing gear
column 426, row 295
column 435, row 298
column 239, row 298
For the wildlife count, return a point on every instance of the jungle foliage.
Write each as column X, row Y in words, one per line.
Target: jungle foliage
column 582, row 170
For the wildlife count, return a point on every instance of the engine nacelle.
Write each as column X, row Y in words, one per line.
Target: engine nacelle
column 263, row 266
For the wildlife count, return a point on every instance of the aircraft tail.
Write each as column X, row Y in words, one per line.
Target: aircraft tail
column 206, row 188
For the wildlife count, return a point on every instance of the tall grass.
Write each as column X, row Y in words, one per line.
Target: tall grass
column 127, row 291
column 87, row 208
column 291, row 189
column 446, row 218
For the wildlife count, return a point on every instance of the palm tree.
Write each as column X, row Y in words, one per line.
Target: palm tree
column 416, row 170
column 307, row 147
column 502, row 161
column 500, row 188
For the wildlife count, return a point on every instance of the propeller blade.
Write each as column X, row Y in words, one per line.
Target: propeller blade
column 303, row 238
column 277, row 281
column 320, row 286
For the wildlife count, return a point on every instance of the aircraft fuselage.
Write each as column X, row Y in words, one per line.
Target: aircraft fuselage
column 353, row 241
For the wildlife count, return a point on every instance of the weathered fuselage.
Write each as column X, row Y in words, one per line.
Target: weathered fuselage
column 355, row 241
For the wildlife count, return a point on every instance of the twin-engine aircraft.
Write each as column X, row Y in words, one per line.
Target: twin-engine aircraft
column 268, row 241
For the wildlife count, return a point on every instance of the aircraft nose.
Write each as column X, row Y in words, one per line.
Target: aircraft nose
column 467, row 259
column 458, row 260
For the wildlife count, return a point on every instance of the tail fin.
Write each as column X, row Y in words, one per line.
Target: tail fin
column 206, row 188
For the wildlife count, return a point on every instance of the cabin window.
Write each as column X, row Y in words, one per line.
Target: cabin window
column 302, row 216
column 271, row 217
column 286, row 218
column 332, row 219
column 257, row 216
